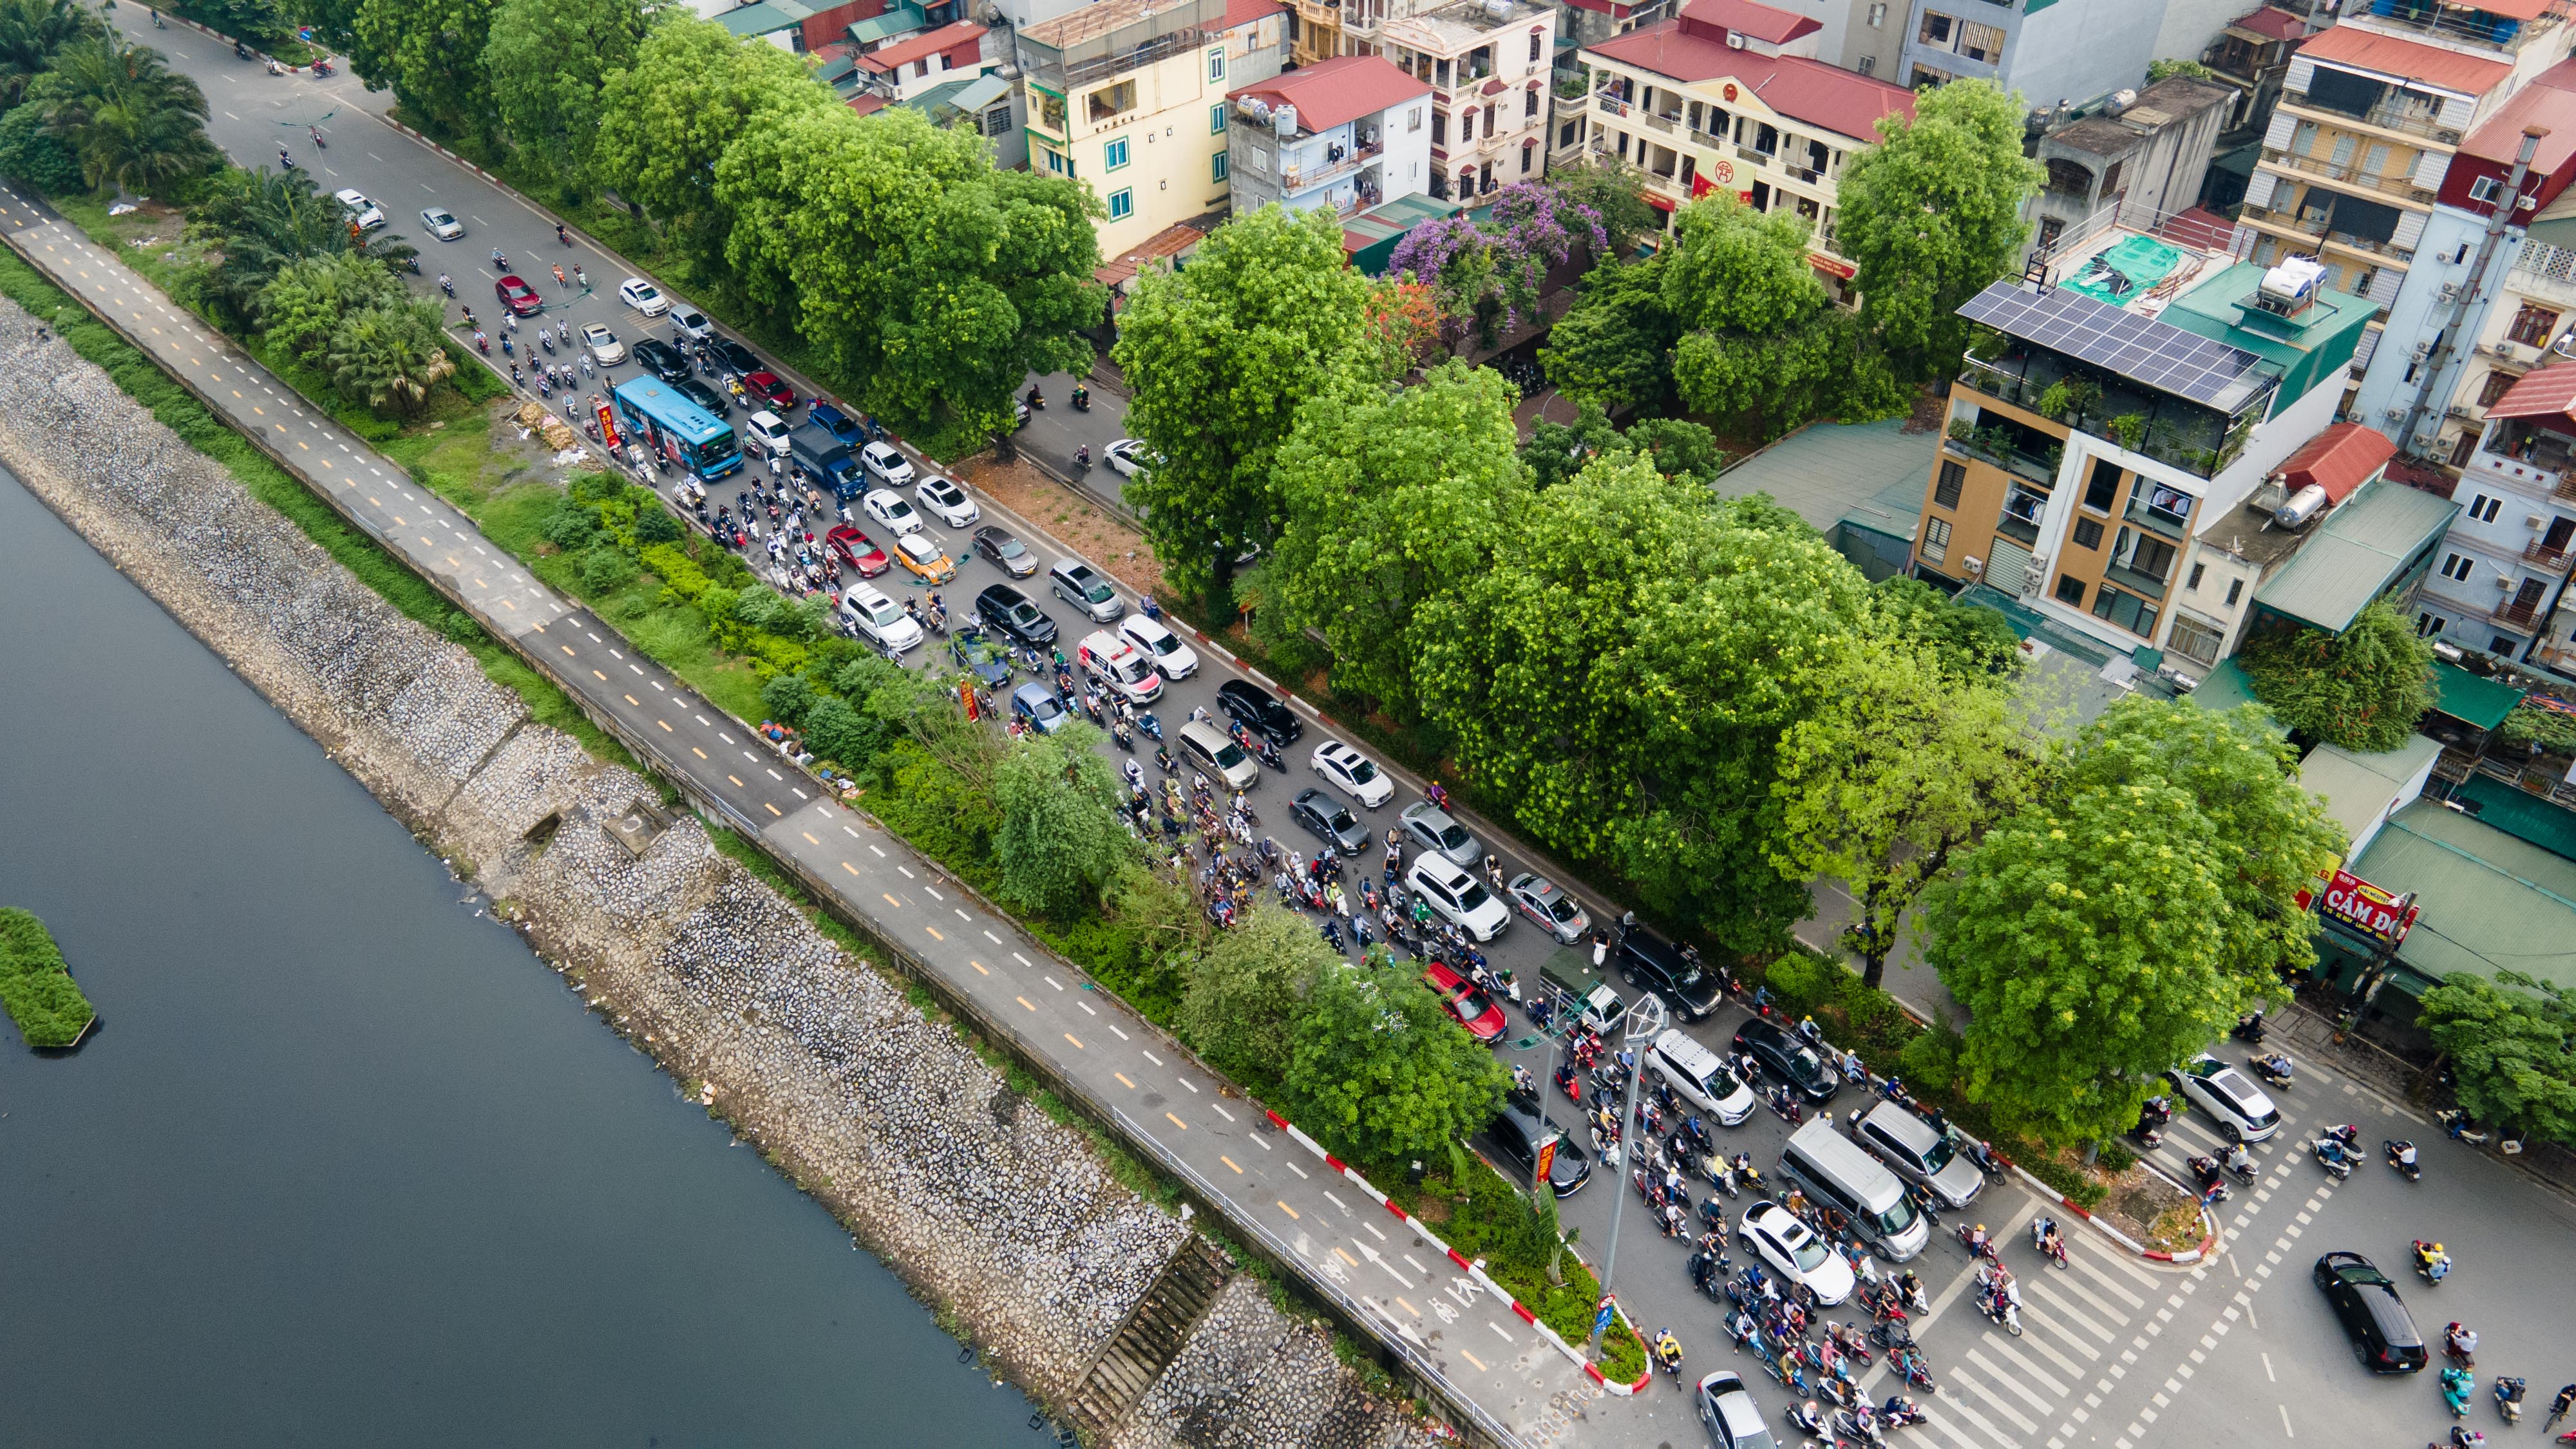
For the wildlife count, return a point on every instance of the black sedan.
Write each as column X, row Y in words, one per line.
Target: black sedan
column 999, row 548
column 1651, row 963
column 734, row 358
column 980, row 657
column 662, row 360
column 703, row 395
column 1517, row 1134
column 1784, row 1056
column 2383, row 1333
column 1007, row 611
column 1260, row 711
column 1323, row 815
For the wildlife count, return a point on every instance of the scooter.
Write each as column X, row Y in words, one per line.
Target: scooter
column 2332, row 1156
column 323, row 68
column 1082, row 399
column 2508, row 1399
column 317, row 138
column 2457, row 1385
column 447, row 285
column 2431, row 1263
column 2050, row 1243
column 2249, row 1027
column 2401, row 1155
column 2275, row 1069
column 546, row 340
column 2456, row 1124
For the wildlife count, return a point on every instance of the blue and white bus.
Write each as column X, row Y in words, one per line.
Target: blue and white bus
column 677, row 428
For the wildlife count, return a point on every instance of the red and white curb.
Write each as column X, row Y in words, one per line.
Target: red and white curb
column 2189, row 1255
column 1474, row 1270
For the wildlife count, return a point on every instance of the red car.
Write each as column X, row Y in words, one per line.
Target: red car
column 851, row 549
column 518, row 296
column 1470, row 1007
column 773, row 388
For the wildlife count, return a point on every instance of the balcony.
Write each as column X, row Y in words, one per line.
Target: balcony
column 2456, row 25
column 2134, row 581
column 2402, row 186
column 2541, row 555
column 1987, row 446
column 1299, row 178
column 2525, row 617
column 2164, row 510
column 1752, row 157
column 1669, row 125
column 2190, row 437
column 2291, row 222
column 1611, row 105
column 2403, row 120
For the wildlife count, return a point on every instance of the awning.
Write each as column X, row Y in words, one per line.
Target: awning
column 2475, row 702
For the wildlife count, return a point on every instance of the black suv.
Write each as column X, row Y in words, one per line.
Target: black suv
column 1785, row 1056
column 661, row 359
column 733, row 357
column 1516, row 1133
column 1006, row 610
column 1651, row 963
column 1260, row 712
column 701, row 394
column 2383, row 1333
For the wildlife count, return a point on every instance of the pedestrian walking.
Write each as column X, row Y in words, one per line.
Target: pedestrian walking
column 1600, row 949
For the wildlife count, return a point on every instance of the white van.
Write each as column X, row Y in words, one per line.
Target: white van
column 1214, row 752
column 1702, row 1077
column 1120, row 667
column 1457, row 896
column 1838, row 1174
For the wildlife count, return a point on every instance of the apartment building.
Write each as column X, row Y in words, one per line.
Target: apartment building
column 2515, row 311
column 1488, row 63
column 2052, row 51
column 1729, row 94
column 1129, row 96
column 1867, row 36
column 905, row 68
column 2124, row 405
column 2503, row 574
column 2251, row 56
column 2142, row 156
column 2369, row 117
column 1347, row 134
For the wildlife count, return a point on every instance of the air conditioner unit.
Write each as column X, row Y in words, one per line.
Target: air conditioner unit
column 1976, row 567
column 2531, row 520
column 2503, row 581
column 1734, row 40
column 2450, row 292
column 2423, row 348
column 2394, row 415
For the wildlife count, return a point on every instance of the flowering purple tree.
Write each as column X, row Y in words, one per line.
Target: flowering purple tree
column 1490, row 274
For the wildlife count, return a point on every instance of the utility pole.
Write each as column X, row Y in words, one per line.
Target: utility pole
column 2437, row 361
column 1645, row 1023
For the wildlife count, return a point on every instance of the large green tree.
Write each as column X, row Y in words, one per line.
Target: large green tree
column 1902, row 766
column 389, row 357
column 2509, row 1049
column 1392, row 496
column 933, row 282
column 2363, row 689
column 1616, row 192
column 430, row 52
column 668, row 119
column 1966, row 641
column 255, row 224
column 1378, row 1070
column 1613, row 348
column 302, row 307
column 30, row 32
column 1678, row 447
column 2079, row 935
column 1219, row 356
column 134, row 124
column 1760, row 338
column 549, row 61
column 1931, row 215
column 1625, row 681
column 1240, row 998
column 1061, row 841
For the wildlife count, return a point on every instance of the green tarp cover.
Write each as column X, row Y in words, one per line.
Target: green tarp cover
column 2478, row 703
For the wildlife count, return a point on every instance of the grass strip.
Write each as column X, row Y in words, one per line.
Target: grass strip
column 36, row 985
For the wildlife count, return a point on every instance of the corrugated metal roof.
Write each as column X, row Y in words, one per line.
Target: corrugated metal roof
column 2549, row 392
column 2339, row 460
column 2352, row 47
column 2358, row 788
column 2489, row 901
column 897, row 20
column 766, row 16
column 2474, row 701
column 1822, row 472
column 2358, row 552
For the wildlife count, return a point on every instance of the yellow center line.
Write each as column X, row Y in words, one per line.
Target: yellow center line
column 1292, row 1212
column 890, row 900
column 774, row 810
column 979, row 966
column 1344, row 1254
column 1122, row 1076
column 666, row 727
column 737, row 779
column 602, row 678
column 237, row 392
column 1175, row 1121
column 1401, row 1301
column 506, row 604
column 308, row 447
column 1024, row 1001
column 630, row 699
column 852, row 869
column 1471, row 1358
column 1230, row 1162
column 809, row 837
column 254, row 407
column 1077, row 1041
column 693, row 749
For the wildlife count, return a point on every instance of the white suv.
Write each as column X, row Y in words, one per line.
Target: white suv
column 878, row 619
column 1172, row 658
column 1457, row 896
column 892, row 469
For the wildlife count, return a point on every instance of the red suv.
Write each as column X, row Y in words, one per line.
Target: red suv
column 518, row 296
column 1470, row 1007
column 852, row 550
column 773, row 388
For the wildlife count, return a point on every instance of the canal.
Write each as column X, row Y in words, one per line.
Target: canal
column 347, row 1164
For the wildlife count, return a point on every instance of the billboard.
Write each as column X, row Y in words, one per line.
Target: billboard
column 2364, row 908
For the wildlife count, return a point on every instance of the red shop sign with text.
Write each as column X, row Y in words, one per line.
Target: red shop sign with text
column 2367, row 909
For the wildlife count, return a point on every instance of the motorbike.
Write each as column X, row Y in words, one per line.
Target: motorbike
column 2457, row 1385
column 285, row 162
column 1269, row 755
column 2401, row 1155
column 1082, row 458
column 241, row 50
column 2050, row 1243
column 1036, row 400
column 1916, row 1371
column 322, row 68
column 445, row 284
column 500, row 263
column 2275, row 1069
column 2332, row 1156
column 318, row 144
column 1974, row 1239
column 2249, row 1028
column 2455, row 1123
column 1082, row 399
column 2212, row 1179
column 2508, row 1399
column 2431, row 1263
column 2460, row 1345
column 1860, row 1425
column 1152, row 727
column 546, row 340
column 2000, row 1308
column 1569, row 1083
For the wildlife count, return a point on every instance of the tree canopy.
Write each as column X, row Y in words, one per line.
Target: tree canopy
column 132, row 123
column 1061, row 840
column 2509, row 1050
column 549, row 61
column 2363, row 689
column 430, row 53
column 1377, row 1069
column 31, row 31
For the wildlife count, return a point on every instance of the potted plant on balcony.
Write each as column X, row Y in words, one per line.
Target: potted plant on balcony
column 2128, row 430
column 1963, row 432
column 2068, row 397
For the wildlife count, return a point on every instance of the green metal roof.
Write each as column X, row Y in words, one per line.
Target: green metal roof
column 766, row 16
column 2521, row 814
column 2478, row 703
column 897, row 20
column 1895, row 510
column 2489, row 901
column 2225, row 689
column 1380, row 229
column 2309, row 350
column 2357, row 788
column 1824, row 471
column 2360, row 550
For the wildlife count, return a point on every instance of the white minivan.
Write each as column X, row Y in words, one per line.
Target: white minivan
column 1457, row 896
column 769, row 431
column 1701, row 1077
column 890, row 468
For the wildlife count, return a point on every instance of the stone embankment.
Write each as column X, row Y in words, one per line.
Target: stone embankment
column 1006, row 1220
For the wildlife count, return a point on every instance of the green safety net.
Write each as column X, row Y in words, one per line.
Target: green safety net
column 2123, row 272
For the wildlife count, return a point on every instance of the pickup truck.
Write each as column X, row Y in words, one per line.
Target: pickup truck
column 1565, row 974
column 824, row 454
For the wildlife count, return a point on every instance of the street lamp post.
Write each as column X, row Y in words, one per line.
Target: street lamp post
column 1645, row 1022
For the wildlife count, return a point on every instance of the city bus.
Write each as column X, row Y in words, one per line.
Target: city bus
column 677, row 428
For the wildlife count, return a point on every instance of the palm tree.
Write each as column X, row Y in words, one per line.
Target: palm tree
column 134, row 124
column 30, row 32
column 261, row 222
column 390, row 357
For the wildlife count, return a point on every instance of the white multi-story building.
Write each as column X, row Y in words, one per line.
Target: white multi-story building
column 2504, row 566
column 1350, row 133
column 1487, row 62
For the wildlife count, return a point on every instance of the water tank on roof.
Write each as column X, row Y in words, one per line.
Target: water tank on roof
column 1258, row 110
column 1284, row 120
column 2120, row 101
column 2303, row 506
column 2290, row 285
column 1499, row 9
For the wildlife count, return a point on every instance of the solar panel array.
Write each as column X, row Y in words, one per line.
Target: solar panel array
column 2142, row 349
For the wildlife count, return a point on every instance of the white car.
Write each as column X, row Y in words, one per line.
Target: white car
column 691, row 323
column 890, row 467
column 1172, row 658
column 1120, row 666
column 887, row 507
column 946, row 501
column 1791, row 1249
column 442, row 223
column 769, row 431
column 879, row 620
column 2241, row 1110
column 603, row 344
column 1356, row 774
column 365, row 213
column 1458, row 898
column 1126, row 457
column 643, row 296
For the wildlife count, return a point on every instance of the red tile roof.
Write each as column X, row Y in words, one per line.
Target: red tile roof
column 1342, row 89
column 2549, row 392
column 922, row 46
column 2199, row 229
column 2272, row 24
column 868, row 103
column 1244, row 12
column 2340, row 459
column 1760, row 22
column 2449, row 70
column 1844, row 102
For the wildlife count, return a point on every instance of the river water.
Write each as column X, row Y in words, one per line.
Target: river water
column 347, row 1164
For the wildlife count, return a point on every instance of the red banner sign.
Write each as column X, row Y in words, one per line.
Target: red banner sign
column 1546, row 1158
column 2366, row 908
